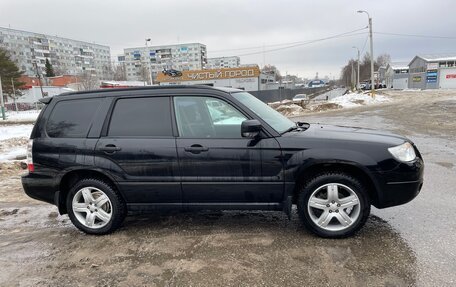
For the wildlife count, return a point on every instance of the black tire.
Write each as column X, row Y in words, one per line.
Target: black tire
column 313, row 184
column 119, row 209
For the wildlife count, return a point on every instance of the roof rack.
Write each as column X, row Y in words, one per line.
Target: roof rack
column 140, row 89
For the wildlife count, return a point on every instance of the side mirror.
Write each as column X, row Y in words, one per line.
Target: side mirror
column 250, row 128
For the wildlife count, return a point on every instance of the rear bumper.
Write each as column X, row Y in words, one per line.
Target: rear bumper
column 400, row 185
column 39, row 187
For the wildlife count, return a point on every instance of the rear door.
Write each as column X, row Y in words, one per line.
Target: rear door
column 220, row 168
column 138, row 145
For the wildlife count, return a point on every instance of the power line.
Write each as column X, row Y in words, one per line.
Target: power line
column 415, row 35
column 289, row 45
column 255, row 47
column 305, row 43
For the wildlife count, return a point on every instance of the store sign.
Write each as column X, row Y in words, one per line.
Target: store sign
column 417, row 79
column 432, row 66
column 212, row 74
column 451, row 76
column 431, row 76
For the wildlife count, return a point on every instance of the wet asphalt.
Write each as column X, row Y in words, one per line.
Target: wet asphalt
column 408, row 245
column 425, row 225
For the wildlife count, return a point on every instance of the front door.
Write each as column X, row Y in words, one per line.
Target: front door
column 140, row 149
column 219, row 167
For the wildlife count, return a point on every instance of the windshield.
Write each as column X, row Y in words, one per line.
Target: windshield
column 275, row 119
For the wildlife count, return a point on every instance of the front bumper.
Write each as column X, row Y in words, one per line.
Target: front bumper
column 400, row 185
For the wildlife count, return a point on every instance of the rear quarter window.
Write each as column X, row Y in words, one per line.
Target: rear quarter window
column 72, row 118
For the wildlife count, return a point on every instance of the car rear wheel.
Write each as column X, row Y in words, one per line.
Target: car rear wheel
column 333, row 205
column 95, row 207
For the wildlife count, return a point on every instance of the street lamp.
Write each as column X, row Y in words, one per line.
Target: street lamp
column 371, row 51
column 149, row 65
column 357, row 81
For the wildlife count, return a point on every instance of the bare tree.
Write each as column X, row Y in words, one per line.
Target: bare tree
column 144, row 73
column 119, row 72
column 383, row 60
column 88, row 81
column 364, row 67
column 272, row 70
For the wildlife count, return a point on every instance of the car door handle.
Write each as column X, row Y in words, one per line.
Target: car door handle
column 110, row 148
column 196, row 148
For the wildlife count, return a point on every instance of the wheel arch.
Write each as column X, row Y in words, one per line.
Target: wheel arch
column 71, row 177
column 352, row 169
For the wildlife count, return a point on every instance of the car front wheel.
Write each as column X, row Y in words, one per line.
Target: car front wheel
column 95, row 207
column 333, row 205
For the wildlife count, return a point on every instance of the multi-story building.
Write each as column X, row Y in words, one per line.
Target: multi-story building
column 223, row 62
column 138, row 62
column 67, row 56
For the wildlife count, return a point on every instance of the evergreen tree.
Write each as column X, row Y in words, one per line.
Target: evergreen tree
column 49, row 69
column 10, row 74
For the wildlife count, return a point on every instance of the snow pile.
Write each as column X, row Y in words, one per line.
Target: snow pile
column 22, row 115
column 15, row 131
column 13, row 141
column 290, row 110
column 356, row 100
column 13, row 153
column 275, row 105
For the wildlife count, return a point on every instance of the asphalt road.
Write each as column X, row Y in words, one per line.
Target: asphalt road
column 409, row 245
column 426, row 225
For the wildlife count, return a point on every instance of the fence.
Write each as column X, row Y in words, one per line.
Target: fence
column 269, row 96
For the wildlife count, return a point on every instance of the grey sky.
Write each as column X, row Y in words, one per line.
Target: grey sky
column 240, row 23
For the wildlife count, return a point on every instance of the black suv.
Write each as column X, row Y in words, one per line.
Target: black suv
column 97, row 155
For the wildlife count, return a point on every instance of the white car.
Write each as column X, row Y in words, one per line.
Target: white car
column 300, row 97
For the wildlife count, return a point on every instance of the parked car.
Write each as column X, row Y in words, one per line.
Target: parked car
column 98, row 155
column 172, row 73
column 300, row 97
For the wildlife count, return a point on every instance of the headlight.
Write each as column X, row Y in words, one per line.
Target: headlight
column 403, row 152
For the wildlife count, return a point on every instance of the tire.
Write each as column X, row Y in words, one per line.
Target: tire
column 104, row 204
column 329, row 216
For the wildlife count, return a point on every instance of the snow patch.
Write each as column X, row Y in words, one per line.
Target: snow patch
column 356, row 100
column 13, row 141
column 16, row 131
column 31, row 115
column 12, row 154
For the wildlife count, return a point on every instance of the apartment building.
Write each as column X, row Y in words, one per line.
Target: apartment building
column 223, row 62
column 184, row 57
column 67, row 56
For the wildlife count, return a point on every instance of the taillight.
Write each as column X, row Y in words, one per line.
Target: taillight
column 30, row 166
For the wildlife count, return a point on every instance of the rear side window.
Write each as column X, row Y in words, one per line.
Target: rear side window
column 72, row 119
column 141, row 117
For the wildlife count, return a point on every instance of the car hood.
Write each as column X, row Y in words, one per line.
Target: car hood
column 344, row 133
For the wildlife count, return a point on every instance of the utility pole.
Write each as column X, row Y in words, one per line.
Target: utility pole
column 39, row 78
column 357, row 78
column 352, row 77
column 371, row 52
column 14, row 94
column 149, row 64
column 2, row 103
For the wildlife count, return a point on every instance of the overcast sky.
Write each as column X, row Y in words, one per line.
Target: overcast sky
column 234, row 24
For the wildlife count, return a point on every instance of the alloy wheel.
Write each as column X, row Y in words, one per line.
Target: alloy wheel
column 334, row 207
column 92, row 207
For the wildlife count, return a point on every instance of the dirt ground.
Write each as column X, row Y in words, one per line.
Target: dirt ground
column 403, row 246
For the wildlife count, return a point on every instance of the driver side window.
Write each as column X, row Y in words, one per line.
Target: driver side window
column 206, row 117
